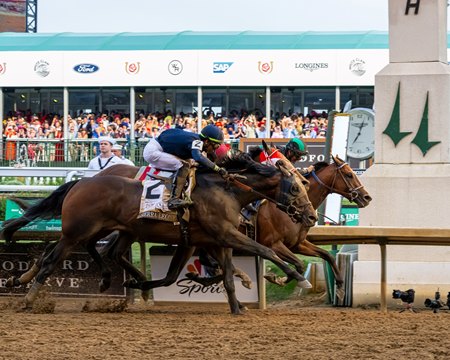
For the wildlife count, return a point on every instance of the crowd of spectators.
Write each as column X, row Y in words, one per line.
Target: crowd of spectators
column 33, row 127
column 235, row 126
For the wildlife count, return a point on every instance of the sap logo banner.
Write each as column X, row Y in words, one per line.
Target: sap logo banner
column 86, row 68
column 221, row 67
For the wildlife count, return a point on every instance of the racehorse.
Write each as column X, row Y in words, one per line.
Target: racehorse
column 111, row 203
column 286, row 238
column 275, row 231
column 274, row 228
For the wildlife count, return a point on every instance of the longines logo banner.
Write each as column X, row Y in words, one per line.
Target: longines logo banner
column 345, row 67
column 311, row 66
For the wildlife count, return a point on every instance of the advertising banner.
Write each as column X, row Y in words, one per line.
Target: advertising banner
column 78, row 275
column 185, row 290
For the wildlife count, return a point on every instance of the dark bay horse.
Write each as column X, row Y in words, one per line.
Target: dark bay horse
column 107, row 203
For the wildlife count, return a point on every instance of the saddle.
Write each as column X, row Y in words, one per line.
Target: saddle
column 248, row 219
column 157, row 186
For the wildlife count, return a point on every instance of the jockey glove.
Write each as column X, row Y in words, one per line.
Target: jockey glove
column 223, row 172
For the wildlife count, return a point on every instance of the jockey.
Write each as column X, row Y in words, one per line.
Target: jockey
column 294, row 150
column 167, row 149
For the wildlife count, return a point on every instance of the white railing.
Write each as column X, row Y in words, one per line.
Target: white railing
column 37, row 177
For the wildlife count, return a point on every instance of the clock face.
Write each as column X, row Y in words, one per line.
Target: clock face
column 361, row 134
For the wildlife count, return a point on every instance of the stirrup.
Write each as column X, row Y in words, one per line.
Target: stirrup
column 175, row 204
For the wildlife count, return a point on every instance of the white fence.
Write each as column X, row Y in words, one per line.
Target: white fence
column 39, row 178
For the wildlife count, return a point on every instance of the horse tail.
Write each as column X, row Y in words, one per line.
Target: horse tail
column 46, row 209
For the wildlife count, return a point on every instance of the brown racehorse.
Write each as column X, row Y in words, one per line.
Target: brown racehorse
column 286, row 238
column 111, row 203
column 275, row 230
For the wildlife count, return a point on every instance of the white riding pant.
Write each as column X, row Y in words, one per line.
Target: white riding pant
column 155, row 156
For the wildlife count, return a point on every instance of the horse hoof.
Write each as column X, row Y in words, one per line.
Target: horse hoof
column 12, row 282
column 246, row 284
column 104, row 285
column 145, row 295
column 132, row 284
column 305, row 284
column 340, row 293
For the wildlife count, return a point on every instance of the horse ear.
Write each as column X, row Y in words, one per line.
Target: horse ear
column 265, row 146
column 334, row 159
column 282, row 167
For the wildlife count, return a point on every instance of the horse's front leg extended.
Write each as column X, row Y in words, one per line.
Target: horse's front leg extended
column 179, row 260
column 286, row 255
column 308, row 249
column 239, row 241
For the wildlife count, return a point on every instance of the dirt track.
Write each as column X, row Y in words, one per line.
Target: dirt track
column 284, row 331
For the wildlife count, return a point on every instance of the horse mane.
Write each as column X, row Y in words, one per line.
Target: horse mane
column 320, row 165
column 236, row 161
column 255, row 151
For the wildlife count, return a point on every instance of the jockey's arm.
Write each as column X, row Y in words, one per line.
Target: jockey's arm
column 307, row 170
column 202, row 160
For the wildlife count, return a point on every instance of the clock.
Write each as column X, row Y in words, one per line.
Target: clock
column 361, row 133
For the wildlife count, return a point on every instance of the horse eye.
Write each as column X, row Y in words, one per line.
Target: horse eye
column 349, row 175
column 295, row 189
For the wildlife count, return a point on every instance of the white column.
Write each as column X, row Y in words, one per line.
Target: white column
column 199, row 108
column 132, row 113
column 66, row 121
column 268, row 100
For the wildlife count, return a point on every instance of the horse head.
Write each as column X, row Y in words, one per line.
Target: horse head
column 293, row 192
column 346, row 183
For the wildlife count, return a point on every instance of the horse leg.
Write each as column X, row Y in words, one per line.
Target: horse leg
column 116, row 248
column 179, row 260
column 59, row 252
column 105, row 269
column 308, row 249
column 29, row 275
column 286, row 255
column 223, row 257
column 233, row 238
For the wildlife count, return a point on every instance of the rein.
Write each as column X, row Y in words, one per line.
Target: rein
column 291, row 210
column 352, row 192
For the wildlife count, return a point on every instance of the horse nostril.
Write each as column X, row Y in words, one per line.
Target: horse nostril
column 367, row 197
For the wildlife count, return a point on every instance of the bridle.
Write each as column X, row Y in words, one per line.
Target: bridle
column 352, row 193
column 291, row 210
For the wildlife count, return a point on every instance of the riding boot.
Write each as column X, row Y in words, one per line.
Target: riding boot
column 179, row 180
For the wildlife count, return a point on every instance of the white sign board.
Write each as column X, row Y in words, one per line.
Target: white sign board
column 186, row 290
column 339, row 147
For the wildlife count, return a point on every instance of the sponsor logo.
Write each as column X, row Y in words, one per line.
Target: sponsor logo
column 42, row 68
column 357, row 67
column 221, row 67
column 85, row 68
column 175, row 67
column 2, row 68
column 265, row 67
column 132, row 68
column 311, row 66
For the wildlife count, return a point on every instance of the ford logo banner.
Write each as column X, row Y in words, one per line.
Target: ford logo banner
column 86, row 68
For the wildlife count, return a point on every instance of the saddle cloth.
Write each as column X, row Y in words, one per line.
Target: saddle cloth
column 157, row 186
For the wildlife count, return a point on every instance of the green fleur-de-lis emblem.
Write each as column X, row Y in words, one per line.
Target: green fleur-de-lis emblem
column 393, row 128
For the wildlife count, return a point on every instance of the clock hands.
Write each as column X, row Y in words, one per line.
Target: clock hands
column 359, row 132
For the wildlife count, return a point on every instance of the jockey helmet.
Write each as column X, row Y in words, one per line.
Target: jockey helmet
column 212, row 133
column 297, row 146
